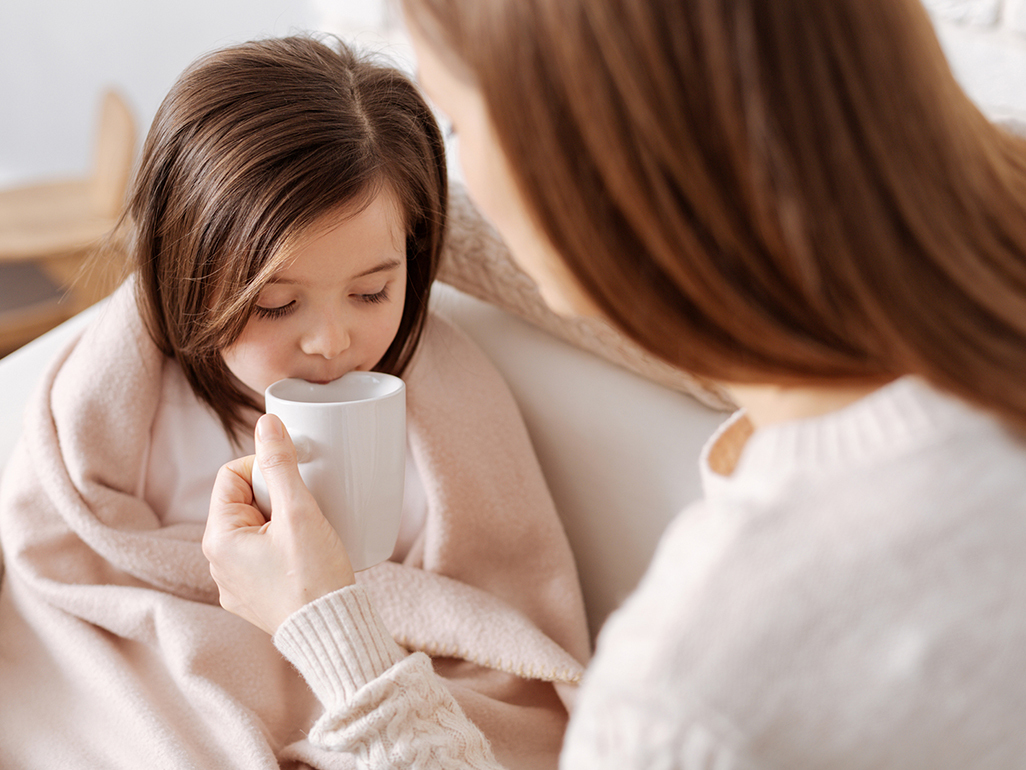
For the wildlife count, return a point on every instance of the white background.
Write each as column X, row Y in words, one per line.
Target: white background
column 57, row 55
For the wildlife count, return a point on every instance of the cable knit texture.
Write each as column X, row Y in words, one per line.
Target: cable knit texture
column 386, row 707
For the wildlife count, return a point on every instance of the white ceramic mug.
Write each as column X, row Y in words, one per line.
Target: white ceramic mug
column 350, row 436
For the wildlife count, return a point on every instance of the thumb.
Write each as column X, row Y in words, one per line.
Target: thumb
column 279, row 465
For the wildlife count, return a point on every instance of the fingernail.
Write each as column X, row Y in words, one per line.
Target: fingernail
column 269, row 428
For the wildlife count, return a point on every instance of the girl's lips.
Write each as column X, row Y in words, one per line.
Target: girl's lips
column 324, row 380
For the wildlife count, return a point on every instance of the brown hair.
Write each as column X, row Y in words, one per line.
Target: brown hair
column 784, row 191
column 252, row 145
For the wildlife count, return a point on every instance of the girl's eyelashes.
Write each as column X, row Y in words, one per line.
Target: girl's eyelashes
column 283, row 310
column 275, row 312
column 381, row 296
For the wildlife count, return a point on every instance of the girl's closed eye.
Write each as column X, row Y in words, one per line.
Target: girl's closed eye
column 275, row 312
column 374, row 297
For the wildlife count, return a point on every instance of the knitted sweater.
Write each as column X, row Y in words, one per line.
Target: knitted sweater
column 849, row 594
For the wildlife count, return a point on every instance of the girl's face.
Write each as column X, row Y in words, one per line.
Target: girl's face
column 333, row 309
column 490, row 180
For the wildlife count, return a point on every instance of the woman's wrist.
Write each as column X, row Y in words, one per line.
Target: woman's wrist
column 338, row 643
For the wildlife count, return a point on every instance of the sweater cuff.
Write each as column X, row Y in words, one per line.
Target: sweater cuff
column 339, row 644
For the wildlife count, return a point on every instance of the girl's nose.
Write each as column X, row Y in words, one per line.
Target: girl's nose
column 329, row 338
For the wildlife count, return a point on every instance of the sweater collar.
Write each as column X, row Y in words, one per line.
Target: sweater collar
column 888, row 421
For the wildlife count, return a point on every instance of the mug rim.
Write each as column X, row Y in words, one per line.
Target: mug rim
column 396, row 386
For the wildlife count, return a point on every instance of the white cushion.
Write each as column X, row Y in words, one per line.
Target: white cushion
column 620, row 453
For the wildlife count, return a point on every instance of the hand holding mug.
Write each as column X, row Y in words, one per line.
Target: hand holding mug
column 266, row 570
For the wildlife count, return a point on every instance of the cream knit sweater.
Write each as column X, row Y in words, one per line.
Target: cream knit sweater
column 850, row 595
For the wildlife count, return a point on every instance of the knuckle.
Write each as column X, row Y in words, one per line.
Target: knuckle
column 210, row 545
column 219, row 557
column 277, row 459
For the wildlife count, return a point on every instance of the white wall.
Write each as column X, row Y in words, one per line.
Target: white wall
column 56, row 56
column 986, row 44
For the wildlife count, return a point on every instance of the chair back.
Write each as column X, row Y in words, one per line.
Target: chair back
column 113, row 156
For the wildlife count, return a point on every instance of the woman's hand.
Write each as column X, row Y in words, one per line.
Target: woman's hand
column 266, row 570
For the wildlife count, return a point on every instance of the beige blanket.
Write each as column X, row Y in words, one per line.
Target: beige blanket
column 114, row 652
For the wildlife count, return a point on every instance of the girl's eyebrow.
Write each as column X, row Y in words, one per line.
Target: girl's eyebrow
column 388, row 264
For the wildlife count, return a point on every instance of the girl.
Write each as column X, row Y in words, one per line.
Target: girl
column 796, row 199
column 286, row 220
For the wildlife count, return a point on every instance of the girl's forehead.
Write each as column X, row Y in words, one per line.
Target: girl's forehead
column 382, row 208
column 347, row 245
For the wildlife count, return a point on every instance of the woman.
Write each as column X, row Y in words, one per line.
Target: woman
column 796, row 199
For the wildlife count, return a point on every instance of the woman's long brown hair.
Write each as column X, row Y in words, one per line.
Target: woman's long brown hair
column 763, row 190
column 251, row 147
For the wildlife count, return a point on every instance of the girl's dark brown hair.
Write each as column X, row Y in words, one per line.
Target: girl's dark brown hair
column 251, row 147
column 763, row 190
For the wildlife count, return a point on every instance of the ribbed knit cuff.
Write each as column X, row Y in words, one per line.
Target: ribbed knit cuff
column 339, row 644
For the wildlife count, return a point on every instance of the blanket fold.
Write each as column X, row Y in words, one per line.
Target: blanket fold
column 115, row 653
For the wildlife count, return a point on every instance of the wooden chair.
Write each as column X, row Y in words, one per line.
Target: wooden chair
column 48, row 230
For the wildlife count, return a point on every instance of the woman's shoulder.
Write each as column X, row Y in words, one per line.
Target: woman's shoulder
column 836, row 603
